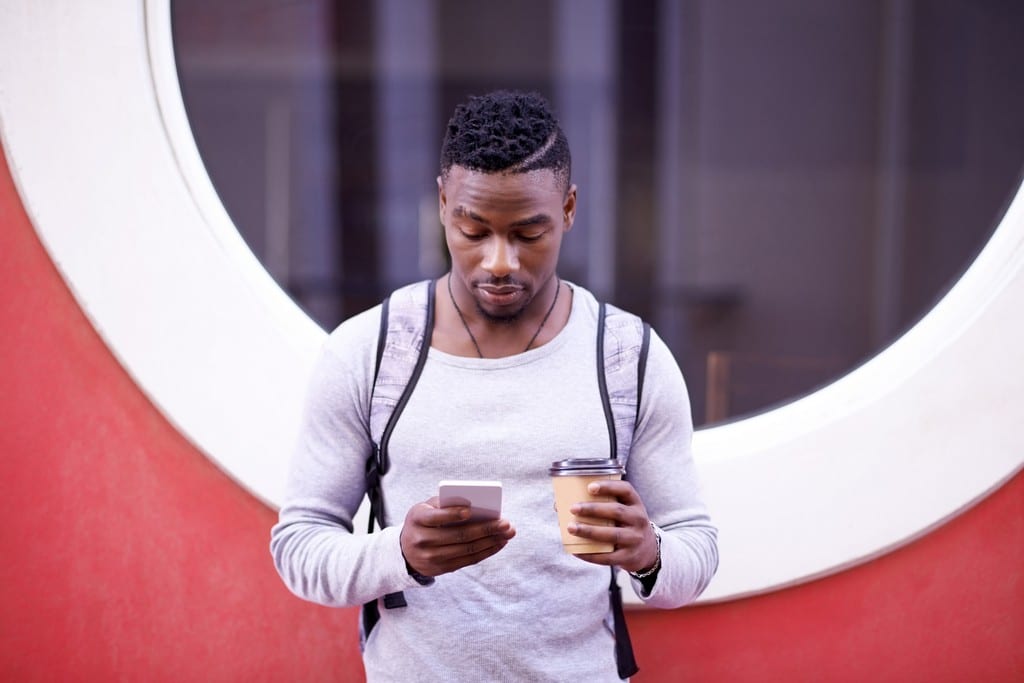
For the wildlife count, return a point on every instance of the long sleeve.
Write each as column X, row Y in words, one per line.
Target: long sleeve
column 313, row 545
column 662, row 470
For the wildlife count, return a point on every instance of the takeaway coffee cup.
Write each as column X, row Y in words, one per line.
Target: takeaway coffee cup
column 570, row 479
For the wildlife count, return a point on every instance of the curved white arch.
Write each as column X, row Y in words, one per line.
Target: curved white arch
column 96, row 137
column 100, row 148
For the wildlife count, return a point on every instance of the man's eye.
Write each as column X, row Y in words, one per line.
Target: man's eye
column 474, row 236
column 531, row 237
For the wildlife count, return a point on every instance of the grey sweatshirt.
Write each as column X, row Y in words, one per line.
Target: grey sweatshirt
column 531, row 612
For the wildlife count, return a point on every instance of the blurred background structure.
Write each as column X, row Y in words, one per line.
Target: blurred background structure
column 781, row 188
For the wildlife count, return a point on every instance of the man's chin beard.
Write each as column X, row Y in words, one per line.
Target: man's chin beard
column 509, row 319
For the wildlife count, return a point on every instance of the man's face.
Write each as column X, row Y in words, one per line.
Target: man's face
column 504, row 232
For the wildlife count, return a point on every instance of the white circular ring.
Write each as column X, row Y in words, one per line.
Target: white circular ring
column 97, row 139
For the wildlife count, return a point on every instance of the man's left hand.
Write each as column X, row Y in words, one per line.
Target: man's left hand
column 636, row 547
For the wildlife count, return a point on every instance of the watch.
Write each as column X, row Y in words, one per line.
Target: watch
column 420, row 578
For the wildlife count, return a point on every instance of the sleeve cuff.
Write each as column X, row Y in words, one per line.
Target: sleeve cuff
column 403, row 575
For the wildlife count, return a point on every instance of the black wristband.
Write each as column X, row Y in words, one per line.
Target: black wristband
column 420, row 578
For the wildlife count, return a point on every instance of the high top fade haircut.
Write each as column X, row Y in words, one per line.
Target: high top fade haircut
column 506, row 131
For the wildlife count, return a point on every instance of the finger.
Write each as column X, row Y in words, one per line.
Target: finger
column 481, row 555
column 472, row 531
column 622, row 515
column 627, row 555
column 605, row 534
column 441, row 544
column 626, row 542
column 463, row 554
column 471, row 559
column 620, row 489
column 615, row 558
column 429, row 515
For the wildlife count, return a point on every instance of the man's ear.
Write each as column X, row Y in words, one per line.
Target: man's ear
column 442, row 200
column 569, row 208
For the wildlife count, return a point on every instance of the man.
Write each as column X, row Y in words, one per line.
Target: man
column 509, row 386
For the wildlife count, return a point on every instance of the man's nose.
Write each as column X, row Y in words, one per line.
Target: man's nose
column 501, row 259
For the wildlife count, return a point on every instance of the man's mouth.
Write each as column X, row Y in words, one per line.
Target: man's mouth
column 500, row 295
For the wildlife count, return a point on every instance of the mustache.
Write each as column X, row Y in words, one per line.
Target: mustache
column 501, row 282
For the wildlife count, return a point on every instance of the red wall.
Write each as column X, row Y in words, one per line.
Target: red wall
column 125, row 554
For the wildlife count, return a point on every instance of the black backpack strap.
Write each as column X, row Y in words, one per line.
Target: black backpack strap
column 622, row 357
column 371, row 612
column 382, row 338
column 421, row 360
column 378, row 464
column 641, row 368
column 602, row 382
column 614, row 360
column 625, row 660
column 407, row 321
column 373, row 472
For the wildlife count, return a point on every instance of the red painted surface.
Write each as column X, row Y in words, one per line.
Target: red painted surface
column 948, row 607
column 126, row 555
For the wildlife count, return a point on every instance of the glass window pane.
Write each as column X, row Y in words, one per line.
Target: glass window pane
column 780, row 188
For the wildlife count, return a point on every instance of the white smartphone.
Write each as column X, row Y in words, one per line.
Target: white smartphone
column 483, row 497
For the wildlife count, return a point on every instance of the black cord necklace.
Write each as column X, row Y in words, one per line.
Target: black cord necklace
column 472, row 337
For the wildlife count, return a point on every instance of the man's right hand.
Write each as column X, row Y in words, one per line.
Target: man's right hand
column 438, row 540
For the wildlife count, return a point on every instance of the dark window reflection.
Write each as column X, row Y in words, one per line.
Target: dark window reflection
column 780, row 188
